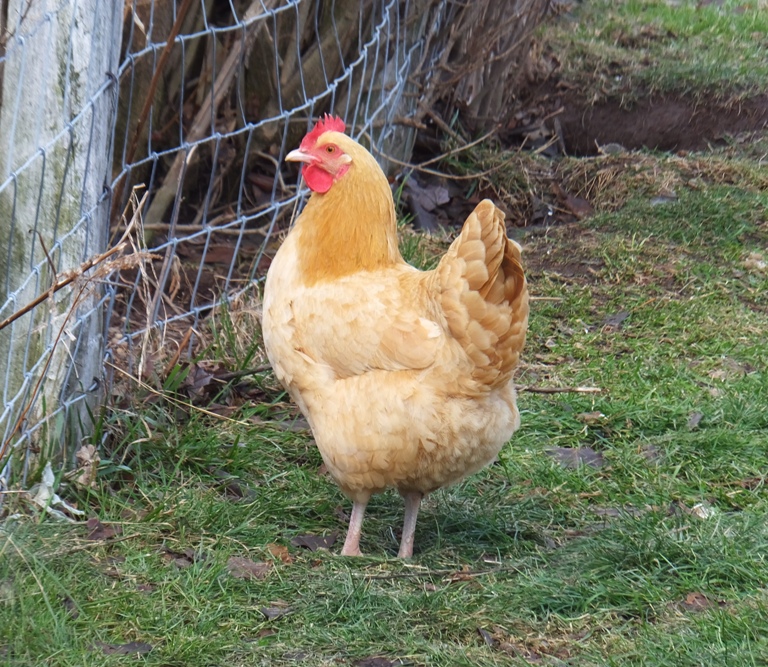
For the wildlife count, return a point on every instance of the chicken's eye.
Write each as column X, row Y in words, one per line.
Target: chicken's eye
column 330, row 149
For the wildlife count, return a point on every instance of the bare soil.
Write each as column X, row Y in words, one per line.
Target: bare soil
column 666, row 123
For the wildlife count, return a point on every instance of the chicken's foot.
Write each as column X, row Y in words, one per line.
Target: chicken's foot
column 412, row 504
column 352, row 543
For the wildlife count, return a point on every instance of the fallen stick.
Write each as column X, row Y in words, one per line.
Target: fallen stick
column 560, row 390
column 71, row 276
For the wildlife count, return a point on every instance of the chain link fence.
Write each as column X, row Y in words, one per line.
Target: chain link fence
column 141, row 166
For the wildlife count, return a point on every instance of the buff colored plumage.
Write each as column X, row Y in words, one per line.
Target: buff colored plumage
column 404, row 376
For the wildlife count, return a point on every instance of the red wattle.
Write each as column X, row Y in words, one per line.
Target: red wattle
column 317, row 179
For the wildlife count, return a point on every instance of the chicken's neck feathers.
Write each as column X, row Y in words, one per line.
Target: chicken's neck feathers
column 351, row 228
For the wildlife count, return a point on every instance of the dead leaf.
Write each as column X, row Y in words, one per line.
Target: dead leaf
column 520, row 652
column 573, row 458
column 273, row 613
column 432, row 196
column 182, row 559
column 69, row 604
column 664, row 196
column 261, row 180
column 488, row 638
column 88, row 460
column 341, row 514
column 698, row 602
column 499, row 640
column 651, row 453
column 611, row 148
column 296, row 656
column 220, row 254
column 423, row 200
column 145, row 588
column 465, row 574
column 376, row 661
column 579, row 206
column 130, row 648
column 7, row 592
column 702, row 510
column 694, row 420
column 281, row 552
column 755, row 261
column 590, row 418
column 616, row 321
column 245, row 568
column 315, row 542
column 223, row 410
column 99, row 531
column 232, row 486
column 729, row 369
column 614, row 512
column 109, row 567
column 196, row 381
column 751, row 483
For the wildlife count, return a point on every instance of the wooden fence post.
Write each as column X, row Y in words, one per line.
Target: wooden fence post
column 56, row 115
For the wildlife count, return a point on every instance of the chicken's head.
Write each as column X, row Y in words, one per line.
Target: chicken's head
column 322, row 153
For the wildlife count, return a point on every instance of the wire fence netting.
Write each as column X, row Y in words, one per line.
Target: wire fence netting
column 142, row 179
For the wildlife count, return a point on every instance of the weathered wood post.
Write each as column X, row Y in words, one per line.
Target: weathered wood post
column 56, row 115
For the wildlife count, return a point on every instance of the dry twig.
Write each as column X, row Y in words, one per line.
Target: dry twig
column 104, row 268
column 70, row 277
column 559, row 390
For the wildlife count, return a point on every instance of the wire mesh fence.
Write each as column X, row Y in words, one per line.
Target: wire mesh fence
column 54, row 168
column 189, row 107
column 219, row 191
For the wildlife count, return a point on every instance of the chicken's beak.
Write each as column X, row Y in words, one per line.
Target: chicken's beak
column 299, row 156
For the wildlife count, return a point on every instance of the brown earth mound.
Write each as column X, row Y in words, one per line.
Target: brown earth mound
column 662, row 123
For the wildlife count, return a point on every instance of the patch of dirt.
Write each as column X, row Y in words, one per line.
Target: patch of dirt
column 565, row 252
column 666, row 123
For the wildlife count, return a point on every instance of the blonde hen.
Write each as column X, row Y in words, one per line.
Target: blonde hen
column 404, row 376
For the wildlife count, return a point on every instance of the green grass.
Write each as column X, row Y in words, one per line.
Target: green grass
column 593, row 566
column 635, row 47
column 655, row 558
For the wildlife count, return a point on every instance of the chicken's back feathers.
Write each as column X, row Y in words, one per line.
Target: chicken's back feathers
column 484, row 296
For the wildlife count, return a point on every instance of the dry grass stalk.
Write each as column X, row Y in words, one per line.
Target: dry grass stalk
column 82, row 280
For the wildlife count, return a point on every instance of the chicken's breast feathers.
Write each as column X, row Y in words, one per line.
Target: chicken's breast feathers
column 484, row 296
column 352, row 325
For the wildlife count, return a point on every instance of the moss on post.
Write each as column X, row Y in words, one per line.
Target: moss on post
column 55, row 124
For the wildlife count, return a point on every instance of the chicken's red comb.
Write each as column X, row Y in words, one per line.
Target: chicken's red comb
column 327, row 123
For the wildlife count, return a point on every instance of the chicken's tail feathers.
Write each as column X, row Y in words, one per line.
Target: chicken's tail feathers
column 484, row 295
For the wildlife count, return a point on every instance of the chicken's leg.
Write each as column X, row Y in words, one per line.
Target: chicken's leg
column 412, row 503
column 352, row 543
